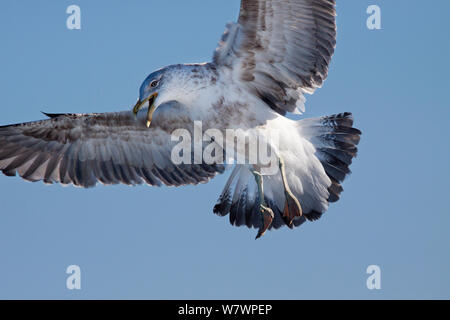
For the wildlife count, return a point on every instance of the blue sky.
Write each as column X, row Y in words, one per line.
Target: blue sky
column 165, row 243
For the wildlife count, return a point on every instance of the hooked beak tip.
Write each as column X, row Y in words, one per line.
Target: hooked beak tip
column 151, row 108
column 137, row 107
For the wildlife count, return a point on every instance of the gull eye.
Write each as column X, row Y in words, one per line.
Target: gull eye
column 154, row 83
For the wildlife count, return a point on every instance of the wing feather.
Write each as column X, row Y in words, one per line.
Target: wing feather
column 109, row 148
column 280, row 49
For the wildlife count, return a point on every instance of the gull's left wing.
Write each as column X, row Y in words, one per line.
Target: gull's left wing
column 111, row 148
column 280, row 49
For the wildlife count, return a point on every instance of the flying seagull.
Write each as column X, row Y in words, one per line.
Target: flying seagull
column 277, row 51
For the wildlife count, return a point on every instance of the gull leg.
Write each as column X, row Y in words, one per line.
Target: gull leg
column 266, row 213
column 292, row 208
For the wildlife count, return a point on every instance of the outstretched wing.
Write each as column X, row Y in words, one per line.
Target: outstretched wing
column 111, row 148
column 280, row 49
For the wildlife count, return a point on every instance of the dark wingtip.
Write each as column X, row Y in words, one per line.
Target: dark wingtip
column 52, row 115
column 9, row 173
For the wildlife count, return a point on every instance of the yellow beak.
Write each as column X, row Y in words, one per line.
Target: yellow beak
column 151, row 107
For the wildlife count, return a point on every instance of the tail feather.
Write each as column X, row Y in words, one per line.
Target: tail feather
column 335, row 144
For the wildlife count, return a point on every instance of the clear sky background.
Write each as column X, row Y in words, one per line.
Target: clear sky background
column 143, row 242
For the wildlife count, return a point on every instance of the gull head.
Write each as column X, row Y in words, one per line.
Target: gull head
column 150, row 89
column 173, row 83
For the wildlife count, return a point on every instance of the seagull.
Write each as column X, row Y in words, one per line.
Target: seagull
column 265, row 63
